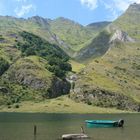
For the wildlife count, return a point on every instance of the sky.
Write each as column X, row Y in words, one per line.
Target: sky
column 81, row 11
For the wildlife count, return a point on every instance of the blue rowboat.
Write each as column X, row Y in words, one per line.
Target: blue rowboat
column 104, row 123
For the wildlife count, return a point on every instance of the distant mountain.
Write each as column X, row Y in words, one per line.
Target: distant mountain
column 98, row 26
column 42, row 22
column 71, row 32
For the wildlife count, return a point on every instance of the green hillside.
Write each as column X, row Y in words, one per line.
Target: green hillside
column 115, row 74
column 67, row 34
column 31, row 69
column 97, row 47
column 69, row 31
column 74, row 34
column 111, row 78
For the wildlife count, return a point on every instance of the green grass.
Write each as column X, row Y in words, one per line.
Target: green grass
column 36, row 64
column 115, row 71
column 59, row 105
column 102, row 81
column 76, row 66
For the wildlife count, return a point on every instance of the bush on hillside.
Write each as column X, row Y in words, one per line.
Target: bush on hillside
column 4, row 65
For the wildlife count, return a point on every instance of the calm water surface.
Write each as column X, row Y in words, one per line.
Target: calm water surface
column 19, row 126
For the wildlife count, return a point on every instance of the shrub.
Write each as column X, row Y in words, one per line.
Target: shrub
column 16, row 106
column 4, row 65
column 9, row 106
column 8, row 103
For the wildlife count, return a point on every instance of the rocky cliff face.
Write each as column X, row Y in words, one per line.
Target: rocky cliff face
column 58, row 87
column 104, row 98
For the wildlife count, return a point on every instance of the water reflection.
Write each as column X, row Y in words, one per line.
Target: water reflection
column 35, row 137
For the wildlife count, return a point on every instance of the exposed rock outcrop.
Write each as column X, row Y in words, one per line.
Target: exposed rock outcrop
column 58, row 87
column 103, row 98
column 121, row 36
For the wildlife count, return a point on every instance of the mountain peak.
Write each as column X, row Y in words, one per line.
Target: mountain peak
column 40, row 21
column 134, row 7
column 97, row 24
column 37, row 18
column 66, row 20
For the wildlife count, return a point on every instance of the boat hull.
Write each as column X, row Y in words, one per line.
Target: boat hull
column 74, row 136
column 104, row 123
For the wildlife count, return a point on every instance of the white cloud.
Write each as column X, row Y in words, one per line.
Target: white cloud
column 25, row 9
column 117, row 6
column 114, row 6
column 91, row 4
column 132, row 1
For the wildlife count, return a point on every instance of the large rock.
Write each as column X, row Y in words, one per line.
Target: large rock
column 58, row 87
column 121, row 36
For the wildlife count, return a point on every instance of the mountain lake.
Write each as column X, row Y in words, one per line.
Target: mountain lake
column 20, row 126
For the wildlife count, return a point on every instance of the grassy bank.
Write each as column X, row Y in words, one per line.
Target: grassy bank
column 59, row 105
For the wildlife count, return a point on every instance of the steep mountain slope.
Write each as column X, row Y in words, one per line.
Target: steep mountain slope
column 71, row 32
column 115, row 74
column 97, row 47
column 31, row 68
column 112, row 79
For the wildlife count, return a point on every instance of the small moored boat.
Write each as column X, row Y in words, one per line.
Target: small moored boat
column 74, row 136
column 78, row 136
column 105, row 123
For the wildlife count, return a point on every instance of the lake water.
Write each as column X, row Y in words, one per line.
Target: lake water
column 19, row 126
